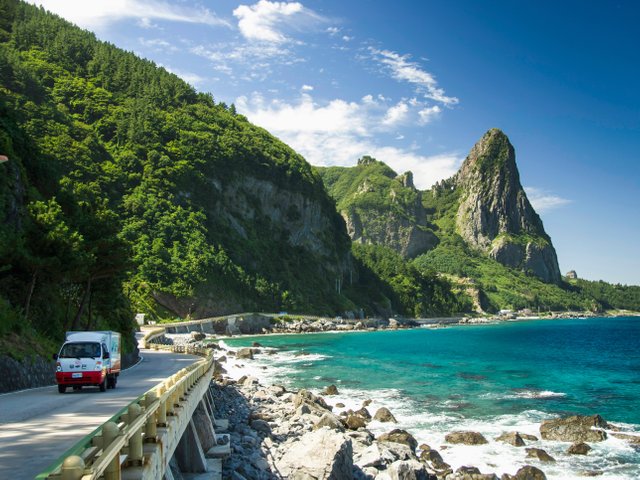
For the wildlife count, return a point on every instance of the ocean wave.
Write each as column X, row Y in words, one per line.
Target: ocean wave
column 523, row 394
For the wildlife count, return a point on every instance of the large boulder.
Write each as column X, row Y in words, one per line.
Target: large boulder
column 354, row 422
column 434, row 460
column 407, row 470
column 308, row 398
column 526, row 473
column 245, row 353
column 539, row 454
column 399, row 436
column 384, row 415
column 470, row 473
column 329, row 420
column 466, row 438
column 330, row 390
column 579, row 448
column 512, row 438
column 577, row 428
column 322, row 455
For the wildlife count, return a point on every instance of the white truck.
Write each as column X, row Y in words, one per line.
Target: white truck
column 88, row 359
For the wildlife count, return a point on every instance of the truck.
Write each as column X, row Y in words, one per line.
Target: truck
column 88, row 359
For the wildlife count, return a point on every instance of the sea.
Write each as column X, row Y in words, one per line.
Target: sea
column 491, row 379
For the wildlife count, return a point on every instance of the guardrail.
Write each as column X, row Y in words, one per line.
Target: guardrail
column 143, row 434
column 150, row 334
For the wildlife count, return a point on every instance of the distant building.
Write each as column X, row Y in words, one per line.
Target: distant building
column 572, row 275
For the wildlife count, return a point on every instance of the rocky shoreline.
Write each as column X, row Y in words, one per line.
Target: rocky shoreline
column 280, row 433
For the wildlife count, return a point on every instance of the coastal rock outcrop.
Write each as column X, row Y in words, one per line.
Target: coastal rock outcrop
column 322, row 455
column 466, row 438
column 512, row 438
column 527, row 472
column 540, row 454
column 577, row 428
column 578, row 448
column 495, row 215
column 383, row 414
column 399, row 436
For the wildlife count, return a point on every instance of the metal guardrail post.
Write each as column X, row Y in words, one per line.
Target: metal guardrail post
column 135, row 442
column 151, row 427
column 110, row 432
column 72, row 468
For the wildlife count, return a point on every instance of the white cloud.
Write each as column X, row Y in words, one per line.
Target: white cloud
column 265, row 20
column 158, row 44
column 405, row 70
column 428, row 114
column 396, row 114
column 189, row 77
column 333, row 31
column 543, row 200
column 98, row 14
column 340, row 132
column 307, row 88
column 347, row 38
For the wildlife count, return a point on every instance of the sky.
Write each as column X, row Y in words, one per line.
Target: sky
column 416, row 83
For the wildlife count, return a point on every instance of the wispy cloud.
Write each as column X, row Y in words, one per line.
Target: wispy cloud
column 403, row 69
column 543, row 200
column 339, row 132
column 157, row 44
column 98, row 14
column 267, row 21
column 189, row 77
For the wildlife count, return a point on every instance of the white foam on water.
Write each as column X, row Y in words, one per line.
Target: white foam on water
column 615, row 458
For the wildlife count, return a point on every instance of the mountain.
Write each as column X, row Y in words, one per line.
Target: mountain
column 126, row 190
column 495, row 215
column 381, row 207
column 491, row 210
column 476, row 230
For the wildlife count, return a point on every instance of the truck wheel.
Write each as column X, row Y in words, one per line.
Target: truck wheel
column 111, row 383
column 62, row 388
column 103, row 385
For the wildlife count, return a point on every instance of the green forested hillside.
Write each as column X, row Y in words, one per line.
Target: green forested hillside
column 120, row 190
column 471, row 280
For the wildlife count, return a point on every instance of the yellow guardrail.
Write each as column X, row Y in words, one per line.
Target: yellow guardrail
column 153, row 418
column 150, row 334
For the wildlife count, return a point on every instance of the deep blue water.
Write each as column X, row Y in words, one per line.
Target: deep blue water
column 490, row 378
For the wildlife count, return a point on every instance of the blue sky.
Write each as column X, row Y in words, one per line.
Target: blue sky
column 416, row 84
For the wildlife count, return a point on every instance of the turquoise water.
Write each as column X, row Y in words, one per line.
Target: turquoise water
column 490, row 378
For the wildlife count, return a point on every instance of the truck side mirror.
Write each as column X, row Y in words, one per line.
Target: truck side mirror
column 105, row 355
column 55, row 356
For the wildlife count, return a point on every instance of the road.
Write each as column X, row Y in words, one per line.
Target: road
column 39, row 425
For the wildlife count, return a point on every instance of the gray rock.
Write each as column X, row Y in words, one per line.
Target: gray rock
column 539, row 454
column 261, row 426
column 330, row 390
column 512, row 438
column 435, row 461
column 322, row 455
column 384, row 415
column 470, row 473
column 354, row 422
column 329, row 420
column 579, row 448
column 577, row 428
column 399, row 436
column 530, row 438
column 466, row 438
column 407, row 470
column 246, row 353
column 526, row 473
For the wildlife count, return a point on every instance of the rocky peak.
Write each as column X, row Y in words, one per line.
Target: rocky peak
column 495, row 215
column 407, row 180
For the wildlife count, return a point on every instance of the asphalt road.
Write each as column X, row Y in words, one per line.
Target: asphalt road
column 39, row 425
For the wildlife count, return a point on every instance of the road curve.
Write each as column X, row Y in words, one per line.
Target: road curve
column 39, row 425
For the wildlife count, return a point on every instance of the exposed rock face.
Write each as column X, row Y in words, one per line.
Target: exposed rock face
column 577, row 428
column 526, row 473
column 322, row 455
column 495, row 215
column 467, row 438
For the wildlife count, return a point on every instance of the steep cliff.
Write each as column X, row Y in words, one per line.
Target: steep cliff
column 381, row 207
column 495, row 215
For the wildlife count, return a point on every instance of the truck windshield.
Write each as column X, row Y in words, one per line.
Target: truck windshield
column 80, row 350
